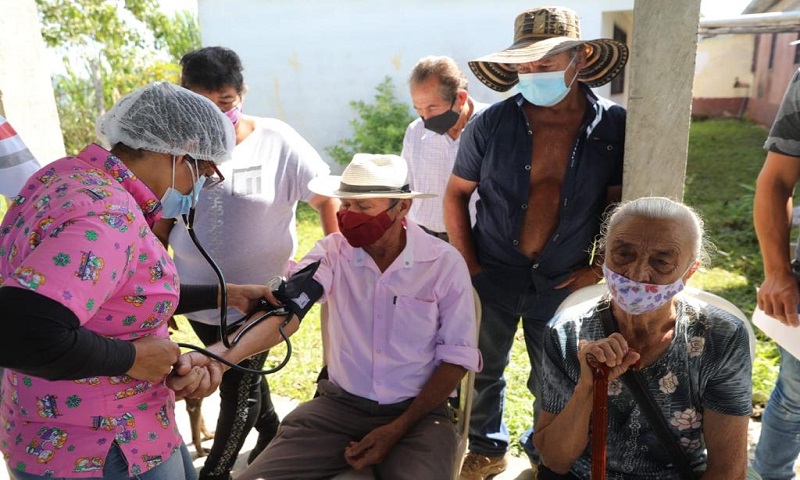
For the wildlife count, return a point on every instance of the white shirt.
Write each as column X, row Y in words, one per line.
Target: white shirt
column 247, row 224
column 430, row 159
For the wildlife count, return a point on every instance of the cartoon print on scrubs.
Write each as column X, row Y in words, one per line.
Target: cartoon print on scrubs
column 79, row 233
column 49, row 440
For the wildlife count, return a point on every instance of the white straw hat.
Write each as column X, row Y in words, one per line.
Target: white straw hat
column 368, row 176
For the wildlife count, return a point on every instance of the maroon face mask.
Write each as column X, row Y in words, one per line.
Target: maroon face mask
column 361, row 229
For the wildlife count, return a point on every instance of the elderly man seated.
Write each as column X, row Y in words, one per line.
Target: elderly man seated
column 402, row 333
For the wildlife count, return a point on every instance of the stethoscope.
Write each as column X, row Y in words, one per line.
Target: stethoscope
column 270, row 310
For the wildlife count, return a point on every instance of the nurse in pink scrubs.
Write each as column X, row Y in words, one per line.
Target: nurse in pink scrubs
column 86, row 290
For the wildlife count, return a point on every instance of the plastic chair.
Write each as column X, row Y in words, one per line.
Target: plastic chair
column 462, row 411
column 466, row 395
column 592, row 293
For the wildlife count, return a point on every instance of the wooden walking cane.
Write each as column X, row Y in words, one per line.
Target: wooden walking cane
column 599, row 420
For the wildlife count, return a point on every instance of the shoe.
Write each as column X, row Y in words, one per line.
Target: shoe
column 481, row 467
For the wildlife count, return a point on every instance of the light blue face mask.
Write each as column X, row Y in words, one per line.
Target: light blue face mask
column 545, row 89
column 174, row 203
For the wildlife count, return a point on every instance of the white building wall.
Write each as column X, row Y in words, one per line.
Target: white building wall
column 306, row 60
column 624, row 20
column 27, row 93
column 720, row 61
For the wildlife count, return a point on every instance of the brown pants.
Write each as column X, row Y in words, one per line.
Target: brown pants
column 311, row 441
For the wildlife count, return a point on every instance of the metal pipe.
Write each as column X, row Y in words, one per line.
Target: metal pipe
column 770, row 22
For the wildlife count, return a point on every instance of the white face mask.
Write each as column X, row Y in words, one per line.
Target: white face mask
column 637, row 298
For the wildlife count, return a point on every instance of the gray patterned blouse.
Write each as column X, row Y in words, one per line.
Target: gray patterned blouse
column 707, row 366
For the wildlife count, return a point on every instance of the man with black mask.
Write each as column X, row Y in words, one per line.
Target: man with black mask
column 439, row 94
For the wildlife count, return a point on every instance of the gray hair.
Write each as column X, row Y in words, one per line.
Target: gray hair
column 660, row 209
column 451, row 78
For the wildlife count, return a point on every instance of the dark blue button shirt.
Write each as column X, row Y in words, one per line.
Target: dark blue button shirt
column 496, row 149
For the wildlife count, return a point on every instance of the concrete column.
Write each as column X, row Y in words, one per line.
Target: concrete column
column 27, row 99
column 660, row 97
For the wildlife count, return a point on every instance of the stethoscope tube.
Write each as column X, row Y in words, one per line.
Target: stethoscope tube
column 240, row 334
column 223, row 314
column 223, row 308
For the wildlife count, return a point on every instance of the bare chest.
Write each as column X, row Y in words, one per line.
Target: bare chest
column 554, row 139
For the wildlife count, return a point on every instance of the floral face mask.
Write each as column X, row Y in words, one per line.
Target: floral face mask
column 638, row 298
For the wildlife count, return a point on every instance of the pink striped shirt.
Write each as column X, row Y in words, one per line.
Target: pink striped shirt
column 17, row 163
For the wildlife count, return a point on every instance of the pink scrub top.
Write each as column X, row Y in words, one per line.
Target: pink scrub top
column 79, row 233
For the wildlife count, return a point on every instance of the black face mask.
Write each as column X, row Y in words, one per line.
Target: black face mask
column 442, row 123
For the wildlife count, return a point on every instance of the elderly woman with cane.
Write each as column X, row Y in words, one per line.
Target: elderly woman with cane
column 679, row 371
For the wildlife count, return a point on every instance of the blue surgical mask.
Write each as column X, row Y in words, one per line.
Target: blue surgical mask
column 545, row 89
column 174, row 203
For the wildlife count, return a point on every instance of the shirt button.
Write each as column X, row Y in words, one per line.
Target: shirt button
column 515, row 242
column 527, row 167
column 535, row 266
column 524, row 206
column 378, row 350
column 610, row 147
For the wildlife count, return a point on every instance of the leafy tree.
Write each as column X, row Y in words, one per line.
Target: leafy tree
column 379, row 128
column 109, row 48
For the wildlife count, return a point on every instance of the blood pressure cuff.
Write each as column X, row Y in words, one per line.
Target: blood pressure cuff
column 300, row 292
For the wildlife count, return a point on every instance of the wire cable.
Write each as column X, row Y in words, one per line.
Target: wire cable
column 223, row 308
column 279, row 311
column 223, row 315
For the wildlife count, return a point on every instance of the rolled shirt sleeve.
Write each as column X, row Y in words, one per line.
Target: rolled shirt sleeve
column 457, row 336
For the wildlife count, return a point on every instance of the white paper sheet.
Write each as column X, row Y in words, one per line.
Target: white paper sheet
column 785, row 336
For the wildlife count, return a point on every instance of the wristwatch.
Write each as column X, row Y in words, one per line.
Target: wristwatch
column 275, row 283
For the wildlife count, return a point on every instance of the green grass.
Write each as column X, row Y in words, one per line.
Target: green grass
column 725, row 157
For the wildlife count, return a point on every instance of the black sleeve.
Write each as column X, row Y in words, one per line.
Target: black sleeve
column 43, row 338
column 197, row 297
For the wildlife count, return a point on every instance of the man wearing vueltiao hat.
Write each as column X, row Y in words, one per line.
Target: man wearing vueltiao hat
column 545, row 162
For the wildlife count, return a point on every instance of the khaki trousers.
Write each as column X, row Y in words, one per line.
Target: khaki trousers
column 311, row 441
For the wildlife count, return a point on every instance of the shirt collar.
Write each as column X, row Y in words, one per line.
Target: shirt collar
column 591, row 97
column 412, row 252
column 113, row 166
column 431, row 135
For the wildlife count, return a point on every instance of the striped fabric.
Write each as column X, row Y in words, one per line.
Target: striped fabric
column 17, row 163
